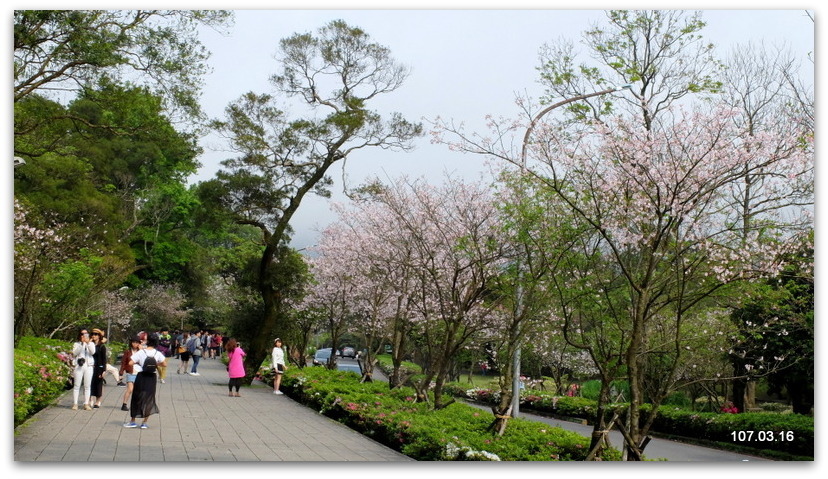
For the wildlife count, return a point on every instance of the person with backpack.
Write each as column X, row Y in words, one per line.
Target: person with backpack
column 144, row 364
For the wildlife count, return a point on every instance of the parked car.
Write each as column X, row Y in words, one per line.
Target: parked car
column 348, row 352
column 321, row 356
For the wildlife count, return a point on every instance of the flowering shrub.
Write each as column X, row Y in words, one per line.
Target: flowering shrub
column 455, row 433
column 42, row 369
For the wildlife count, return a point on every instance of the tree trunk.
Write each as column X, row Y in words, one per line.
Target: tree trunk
column 635, row 372
column 261, row 339
column 739, row 388
column 598, row 439
column 750, row 396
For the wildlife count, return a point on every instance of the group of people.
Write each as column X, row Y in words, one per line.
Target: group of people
column 235, row 365
column 89, row 359
column 145, row 362
column 196, row 345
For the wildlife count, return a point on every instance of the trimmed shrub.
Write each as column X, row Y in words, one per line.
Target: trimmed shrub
column 675, row 421
column 457, row 432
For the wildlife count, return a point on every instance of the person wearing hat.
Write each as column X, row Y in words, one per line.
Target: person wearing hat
column 278, row 362
column 99, row 338
column 126, row 369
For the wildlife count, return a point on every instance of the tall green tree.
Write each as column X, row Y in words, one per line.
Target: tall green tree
column 335, row 74
column 59, row 51
column 120, row 171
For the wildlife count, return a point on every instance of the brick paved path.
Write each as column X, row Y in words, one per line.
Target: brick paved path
column 198, row 422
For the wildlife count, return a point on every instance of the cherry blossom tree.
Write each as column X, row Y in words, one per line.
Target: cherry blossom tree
column 116, row 308
column 331, row 291
column 457, row 252
column 382, row 257
column 660, row 226
column 36, row 248
column 160, row 305
column 674, row 207
column 417, row 259
column 59, row 271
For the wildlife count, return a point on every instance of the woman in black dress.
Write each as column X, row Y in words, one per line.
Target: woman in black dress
column 99, row 339
column 143, row 403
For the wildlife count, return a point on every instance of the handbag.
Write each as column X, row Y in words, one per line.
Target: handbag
column 280, row 368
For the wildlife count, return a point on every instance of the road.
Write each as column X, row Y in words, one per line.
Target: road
column 657, row 448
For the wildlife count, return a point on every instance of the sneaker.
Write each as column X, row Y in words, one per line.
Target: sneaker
column 195, row 374
column 144, row 426
column 131, row 424
column 96, row 406
column 162, row 381
column 124, row 407
column 74, row 407
column 278, row 392
column 87, row 407
column 121, row 384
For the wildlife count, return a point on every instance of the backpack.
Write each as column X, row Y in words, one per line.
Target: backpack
column 150, row 366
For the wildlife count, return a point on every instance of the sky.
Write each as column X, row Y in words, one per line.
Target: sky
column 464, row 65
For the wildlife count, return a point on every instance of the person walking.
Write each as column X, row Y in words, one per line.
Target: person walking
column 205, row 344
column 178, row 342
column 83, row 353
column 278, row 363
column 235, row 366
column 184, row 353
column 126, row 370
column 196, row 351
column 144, row 363
column 165, row 348
column 215, row 343
column 99, row 362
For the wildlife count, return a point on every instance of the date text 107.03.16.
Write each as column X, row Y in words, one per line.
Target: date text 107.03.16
column 762, row 436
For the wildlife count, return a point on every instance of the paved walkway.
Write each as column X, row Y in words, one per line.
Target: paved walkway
column 198, row 422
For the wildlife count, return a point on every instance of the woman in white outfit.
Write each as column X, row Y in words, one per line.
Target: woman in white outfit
column 83, row 351
column 278, row 363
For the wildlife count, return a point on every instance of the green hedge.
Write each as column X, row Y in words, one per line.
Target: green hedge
column 790, row 433
column 41, row 371
column 671, row 420
column 456, row 432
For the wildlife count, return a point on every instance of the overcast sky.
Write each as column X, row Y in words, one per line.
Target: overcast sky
column 464, row 65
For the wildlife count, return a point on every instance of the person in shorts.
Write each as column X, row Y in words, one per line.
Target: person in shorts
column 278, row 362
column 126, row 370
